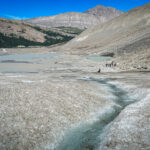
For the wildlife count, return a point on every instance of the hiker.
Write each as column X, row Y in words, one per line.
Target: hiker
column 99, row 70
column 115, row 64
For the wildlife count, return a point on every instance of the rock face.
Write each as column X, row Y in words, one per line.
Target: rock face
column 71, row 19
column 91, row 17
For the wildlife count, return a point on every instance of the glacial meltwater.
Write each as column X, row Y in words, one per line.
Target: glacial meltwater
column 88, row 135
column 98, row 58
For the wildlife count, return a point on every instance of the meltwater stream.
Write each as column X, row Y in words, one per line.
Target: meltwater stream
column 89, row 135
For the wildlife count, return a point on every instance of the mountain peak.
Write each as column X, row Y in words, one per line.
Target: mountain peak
column 101, row 10
column 99, row 6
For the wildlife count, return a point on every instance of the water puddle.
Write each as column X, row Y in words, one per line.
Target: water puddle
column 98, row 58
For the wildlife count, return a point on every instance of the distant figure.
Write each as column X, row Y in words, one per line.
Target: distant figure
column 99, row 70
column 115, row 64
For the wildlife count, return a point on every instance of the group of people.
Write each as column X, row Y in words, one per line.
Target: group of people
column 112, row 64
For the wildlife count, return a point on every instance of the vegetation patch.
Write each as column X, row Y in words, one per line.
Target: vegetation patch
column 13, row 41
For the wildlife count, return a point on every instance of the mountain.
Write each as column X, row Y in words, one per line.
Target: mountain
column 104, row 13
column 70, row 19
column 46, row 31
column 15, row 33
column 126, row 36
column 91, row 17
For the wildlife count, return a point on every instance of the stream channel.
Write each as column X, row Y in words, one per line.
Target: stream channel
column 89, row 135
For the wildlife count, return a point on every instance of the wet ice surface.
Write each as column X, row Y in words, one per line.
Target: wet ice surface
column 38, row 108
column 26, row 63
column 64, row 106
column 49, row 62
column 63, row 110
column 28, row 56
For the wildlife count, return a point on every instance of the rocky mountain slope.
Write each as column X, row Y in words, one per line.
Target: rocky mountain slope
column 91, row 17
column 16, row 27
column 15, row 33
column 127, row 37
column 104, row 13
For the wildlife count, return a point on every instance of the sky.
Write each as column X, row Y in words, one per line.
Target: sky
column 23, row 9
